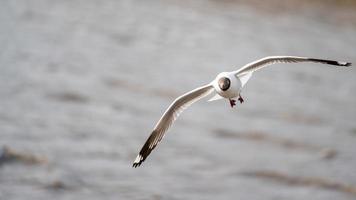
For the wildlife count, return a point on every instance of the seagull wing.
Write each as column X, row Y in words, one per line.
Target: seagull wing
column 169, row 116
column 256, row 65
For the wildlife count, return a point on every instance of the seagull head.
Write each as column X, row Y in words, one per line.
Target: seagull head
column 224, row 83
column 227, row 85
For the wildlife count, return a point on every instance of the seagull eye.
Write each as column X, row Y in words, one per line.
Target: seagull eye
column 224, row 83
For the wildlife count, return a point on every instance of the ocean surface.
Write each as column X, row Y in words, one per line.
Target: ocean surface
column 82, row 84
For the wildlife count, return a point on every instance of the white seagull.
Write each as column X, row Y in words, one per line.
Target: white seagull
column 226, row 85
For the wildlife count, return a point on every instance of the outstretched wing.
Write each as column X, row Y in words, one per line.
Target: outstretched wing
column 256, row 65
column 169, row 116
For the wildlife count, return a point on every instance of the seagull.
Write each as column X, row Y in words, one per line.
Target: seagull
column 226, row 85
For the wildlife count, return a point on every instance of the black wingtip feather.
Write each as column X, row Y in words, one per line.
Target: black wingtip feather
column 138, row 161
column 331, row 62
column 146, row 150
column 134, row 165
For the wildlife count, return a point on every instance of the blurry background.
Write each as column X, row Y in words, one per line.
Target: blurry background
column 82, row 83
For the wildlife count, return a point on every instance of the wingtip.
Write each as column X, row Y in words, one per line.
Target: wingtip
column 348, row 64
column 134, row 165
column 138, row 161
column 331, row 62
column 345, row 64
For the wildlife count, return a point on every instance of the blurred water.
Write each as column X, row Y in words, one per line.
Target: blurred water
column 82, row 83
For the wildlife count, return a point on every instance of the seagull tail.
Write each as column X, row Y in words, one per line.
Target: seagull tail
column 216, row 97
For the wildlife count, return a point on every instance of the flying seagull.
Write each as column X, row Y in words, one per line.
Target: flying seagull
column 226, row 85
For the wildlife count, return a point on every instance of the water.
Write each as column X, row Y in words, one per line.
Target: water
column 82, row 84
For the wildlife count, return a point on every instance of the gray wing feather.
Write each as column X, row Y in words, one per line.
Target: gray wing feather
column 169, row 116
column 256, row 65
